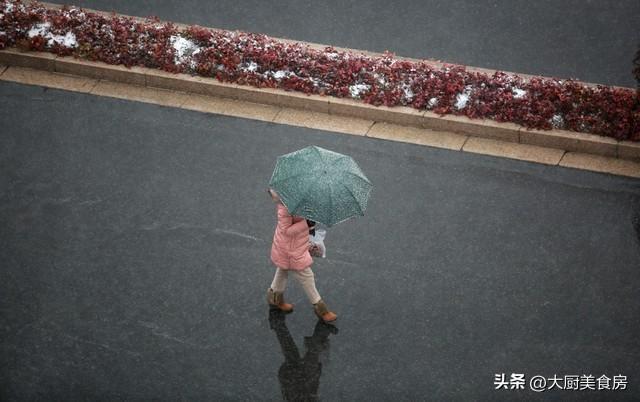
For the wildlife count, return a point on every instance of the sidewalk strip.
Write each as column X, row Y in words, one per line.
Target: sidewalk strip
column 475, row 127
column 421, row 136
column 599, row 163
column 140, row 93
column 101, row 71
column 229, row 107
column 512, row 150
column 629, row 150
column 321, row 121
column 397, row 115
column 3, row 68
column 570, row 141
column 30, row 76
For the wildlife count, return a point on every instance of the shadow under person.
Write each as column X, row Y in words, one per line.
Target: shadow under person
column 300, row 376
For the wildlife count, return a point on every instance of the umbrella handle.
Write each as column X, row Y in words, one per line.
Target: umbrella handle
column 274, row 196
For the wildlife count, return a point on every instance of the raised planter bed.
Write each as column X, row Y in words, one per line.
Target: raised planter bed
column 262, row 69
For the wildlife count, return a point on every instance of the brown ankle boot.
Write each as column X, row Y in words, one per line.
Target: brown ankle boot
column 323, row 312
column 276, row 300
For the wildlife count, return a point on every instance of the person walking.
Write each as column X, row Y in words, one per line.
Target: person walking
column 290, row 254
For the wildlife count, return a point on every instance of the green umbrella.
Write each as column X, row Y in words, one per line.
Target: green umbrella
column 321, row 185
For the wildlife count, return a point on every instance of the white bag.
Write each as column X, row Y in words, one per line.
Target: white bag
column 318, row 241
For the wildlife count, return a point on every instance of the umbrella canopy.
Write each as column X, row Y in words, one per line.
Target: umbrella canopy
column 321, row 185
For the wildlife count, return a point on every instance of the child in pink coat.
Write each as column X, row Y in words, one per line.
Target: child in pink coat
column 290, row 254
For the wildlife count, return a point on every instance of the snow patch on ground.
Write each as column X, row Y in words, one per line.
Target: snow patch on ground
column 39, row 29
column 461, row 100
column 357, row 89
column 67, row 40
column 282, row 74
column 317, row 81
column 278, row 75
column 463, row 97
column 8, row 7
column 407, row 92
column 251, row 67
column 433, row 102
column 557, row 121
column 184, row 48
column 518, row 93
column 380, row 78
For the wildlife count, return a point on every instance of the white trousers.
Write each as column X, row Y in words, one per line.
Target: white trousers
column 305, row 277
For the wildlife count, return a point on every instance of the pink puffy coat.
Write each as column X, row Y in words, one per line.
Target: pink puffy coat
column 290, row 247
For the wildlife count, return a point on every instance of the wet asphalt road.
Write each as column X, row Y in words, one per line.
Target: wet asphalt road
column 592, row 40
column 135, row 242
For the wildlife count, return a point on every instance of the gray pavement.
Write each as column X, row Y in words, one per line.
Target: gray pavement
column 592, row 40
column 135, row 242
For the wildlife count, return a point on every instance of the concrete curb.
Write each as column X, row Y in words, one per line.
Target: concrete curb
column 406, row 116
